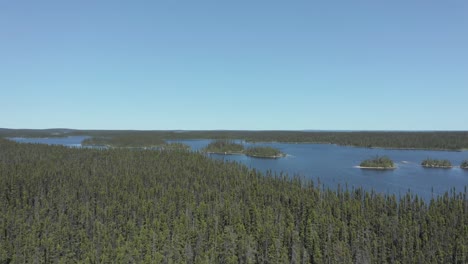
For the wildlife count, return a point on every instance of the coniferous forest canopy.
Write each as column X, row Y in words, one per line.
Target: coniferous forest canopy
column 443, row 140
column 68, row 205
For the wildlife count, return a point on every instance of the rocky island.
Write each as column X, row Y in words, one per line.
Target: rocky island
column 433, row 163
column 378, row 163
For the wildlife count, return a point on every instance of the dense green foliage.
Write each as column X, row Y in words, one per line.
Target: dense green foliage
column 224, row 146
column 464, row 164
column 378, row 162
column 67, row 205
column 433, row 163
column 418, row 140
column 263, row 152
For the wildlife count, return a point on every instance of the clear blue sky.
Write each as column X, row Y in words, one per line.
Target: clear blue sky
column 346, row 65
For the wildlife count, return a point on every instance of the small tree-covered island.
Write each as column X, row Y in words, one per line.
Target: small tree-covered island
column 433, row 163
column 224, row 147
column 229, row 147
column 378, row 163
column 264, row 152
column 464, row 164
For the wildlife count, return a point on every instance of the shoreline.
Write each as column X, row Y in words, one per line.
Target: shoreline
column 437, row 167
column 224, row 153
column 266, row 157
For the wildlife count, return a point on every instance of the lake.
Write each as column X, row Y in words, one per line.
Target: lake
column 74, row 141
column 333, row 165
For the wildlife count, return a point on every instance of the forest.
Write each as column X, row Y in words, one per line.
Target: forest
column 123, row 205
column 433, row 163
column 436, row 140
column 379, row 162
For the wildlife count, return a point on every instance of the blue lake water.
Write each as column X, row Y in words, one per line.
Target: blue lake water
column 74, row 141
column 333, row 165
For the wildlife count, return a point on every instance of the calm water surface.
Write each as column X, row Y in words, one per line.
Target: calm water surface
column 74, row 141
column 333, row 165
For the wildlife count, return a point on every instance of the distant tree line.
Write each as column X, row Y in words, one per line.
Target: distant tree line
column 452, row 140
column 67, row 205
